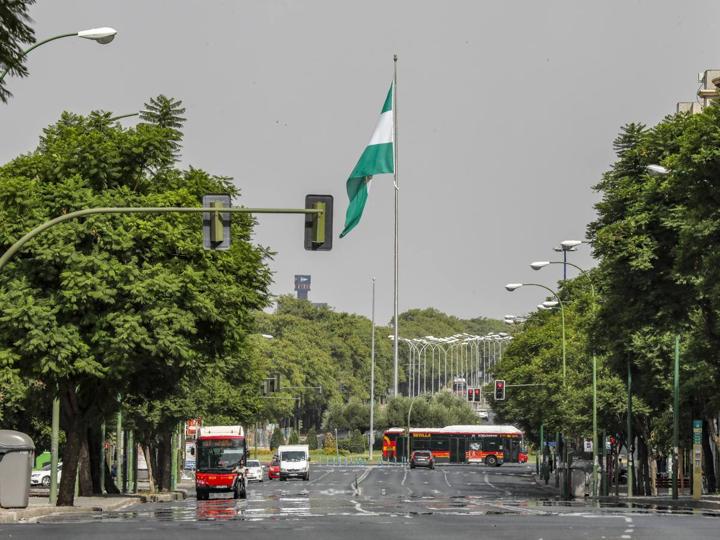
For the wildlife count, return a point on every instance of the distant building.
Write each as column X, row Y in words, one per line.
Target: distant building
column 302, row 286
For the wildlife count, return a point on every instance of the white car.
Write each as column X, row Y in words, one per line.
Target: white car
column 254, row 470
column 42, row 477
column 484, row 415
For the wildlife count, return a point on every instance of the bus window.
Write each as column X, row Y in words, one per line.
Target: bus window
column 440, row 444
column 492, row 444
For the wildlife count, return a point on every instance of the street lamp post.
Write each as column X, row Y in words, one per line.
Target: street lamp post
column 513, row 287
column 537, row 265
column 100, row 35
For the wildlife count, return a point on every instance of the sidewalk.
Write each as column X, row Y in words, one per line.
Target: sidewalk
column 706, row 502
column 40, row 506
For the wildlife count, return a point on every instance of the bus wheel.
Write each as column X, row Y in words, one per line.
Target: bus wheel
column 491, row 461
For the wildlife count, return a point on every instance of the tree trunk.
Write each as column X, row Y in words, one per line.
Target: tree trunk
column 644, row 486
column 653, row 475
column 164, row 465
column 149, row 461
column 93, row 438
column 708, row 461
column 85, row 475
column 74, row 433
column 70, row 457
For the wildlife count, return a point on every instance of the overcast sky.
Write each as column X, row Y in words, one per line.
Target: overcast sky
column 507, row 111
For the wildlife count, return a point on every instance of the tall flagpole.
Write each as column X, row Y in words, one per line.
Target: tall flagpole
column 372, row 375
column 397, row 189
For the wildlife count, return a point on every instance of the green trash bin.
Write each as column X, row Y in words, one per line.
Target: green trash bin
column 17, row 452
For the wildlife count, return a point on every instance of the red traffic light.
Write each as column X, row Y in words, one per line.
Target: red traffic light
column 469, row 394
column 499, row 390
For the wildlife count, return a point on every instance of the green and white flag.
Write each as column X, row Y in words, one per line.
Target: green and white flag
column 376, row 159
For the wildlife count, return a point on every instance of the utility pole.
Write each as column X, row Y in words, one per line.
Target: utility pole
column 676, row 418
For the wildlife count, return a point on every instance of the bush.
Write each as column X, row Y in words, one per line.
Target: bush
column 312, row 440
column 329, row 446
column 293, row 438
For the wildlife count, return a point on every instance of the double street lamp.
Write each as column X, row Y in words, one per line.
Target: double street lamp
column 538, row 265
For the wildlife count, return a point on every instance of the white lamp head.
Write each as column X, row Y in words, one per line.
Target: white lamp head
column 550, row 303
column 102, row 35
column 267, row 336
column 509, row 316
column 569, row 244
column 512, row 286
column 657, row 170
column 537, row 265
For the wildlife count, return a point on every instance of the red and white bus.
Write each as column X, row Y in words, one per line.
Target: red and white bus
column 489, row 444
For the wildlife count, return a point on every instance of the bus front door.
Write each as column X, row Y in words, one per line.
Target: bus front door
column 457, row 450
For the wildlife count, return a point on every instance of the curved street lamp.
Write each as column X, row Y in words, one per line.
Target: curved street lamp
column 515, row 286
column 103, row 35
column 537, row 265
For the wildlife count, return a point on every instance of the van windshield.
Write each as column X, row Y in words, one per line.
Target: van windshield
column 293, row 455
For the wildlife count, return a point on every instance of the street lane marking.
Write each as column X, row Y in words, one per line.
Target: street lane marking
column 320, row 477
column 404, row 478
column 446, row 479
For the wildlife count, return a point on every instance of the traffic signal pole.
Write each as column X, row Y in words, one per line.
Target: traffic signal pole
column 144, row 210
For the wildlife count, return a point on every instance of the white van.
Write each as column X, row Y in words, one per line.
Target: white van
column 294, row 461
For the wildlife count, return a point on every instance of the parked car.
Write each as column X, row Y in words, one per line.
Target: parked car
column 422, row 458
column 42, row 477
column 254, row 470
column 484, row 415
column 274, row 469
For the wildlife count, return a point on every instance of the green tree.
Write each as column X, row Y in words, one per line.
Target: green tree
column 293, row 438
column 312, row 439
column 277, row 438
column 118, row 305
column 15, row 36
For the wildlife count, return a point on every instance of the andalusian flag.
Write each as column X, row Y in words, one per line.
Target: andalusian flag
column 376, row 159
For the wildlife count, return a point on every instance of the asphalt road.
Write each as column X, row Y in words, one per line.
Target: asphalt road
column 469, row 501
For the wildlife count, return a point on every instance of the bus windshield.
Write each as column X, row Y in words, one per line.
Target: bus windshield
column 219, row 455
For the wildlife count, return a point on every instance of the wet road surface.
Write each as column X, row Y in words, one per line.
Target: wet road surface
column 469, row 501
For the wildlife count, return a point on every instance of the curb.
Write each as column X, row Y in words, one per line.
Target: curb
column 31, row 514
column 663, row 501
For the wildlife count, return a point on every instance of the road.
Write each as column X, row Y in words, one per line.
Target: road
column 462, row 501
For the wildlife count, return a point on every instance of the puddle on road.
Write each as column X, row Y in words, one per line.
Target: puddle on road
column 298, row 504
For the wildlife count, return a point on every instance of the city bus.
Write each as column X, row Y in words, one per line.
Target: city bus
column 492, row 445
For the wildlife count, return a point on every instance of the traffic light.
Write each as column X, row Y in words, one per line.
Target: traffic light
column 319, row 227
column 499, row 390
column 470, row 394
column 477, row 394
column 216, row 225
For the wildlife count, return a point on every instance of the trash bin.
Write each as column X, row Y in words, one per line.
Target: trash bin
column 17, row 452
column 578, row 478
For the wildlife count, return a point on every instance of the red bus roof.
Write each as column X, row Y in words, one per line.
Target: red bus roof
column 485, row 429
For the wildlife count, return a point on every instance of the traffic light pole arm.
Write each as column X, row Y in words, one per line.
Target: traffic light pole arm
column 562, row 318
column 141, row 210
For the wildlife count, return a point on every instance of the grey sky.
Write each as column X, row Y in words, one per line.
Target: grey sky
column 507, row 111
